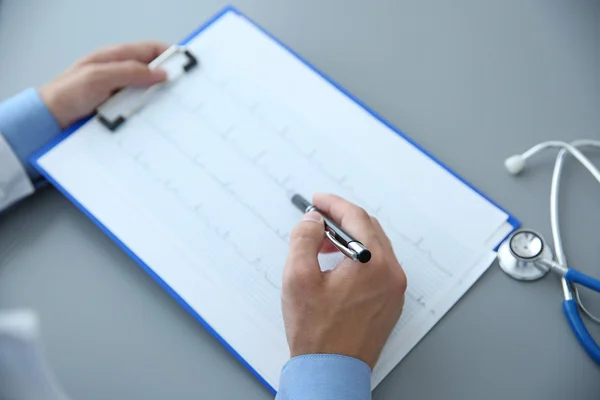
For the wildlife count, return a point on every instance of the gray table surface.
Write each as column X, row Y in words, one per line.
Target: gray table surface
column 472, row 81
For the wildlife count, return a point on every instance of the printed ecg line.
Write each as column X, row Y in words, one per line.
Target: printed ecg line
column 284, row 184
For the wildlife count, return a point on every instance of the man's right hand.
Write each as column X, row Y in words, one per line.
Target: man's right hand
column 352, row 309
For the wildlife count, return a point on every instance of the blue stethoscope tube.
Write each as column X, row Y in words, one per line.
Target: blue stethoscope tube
column 571, row 310
column 526, row 251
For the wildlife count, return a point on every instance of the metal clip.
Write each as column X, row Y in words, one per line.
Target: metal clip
column 114, row 123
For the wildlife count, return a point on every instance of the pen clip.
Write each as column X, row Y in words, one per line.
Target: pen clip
column 345, row 250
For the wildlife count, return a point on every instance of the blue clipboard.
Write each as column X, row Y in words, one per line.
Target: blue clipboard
column 229, row 9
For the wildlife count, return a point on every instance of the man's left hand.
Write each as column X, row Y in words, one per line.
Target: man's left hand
column 80, row 89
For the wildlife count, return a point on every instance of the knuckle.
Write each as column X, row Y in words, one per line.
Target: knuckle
column 300, row 233
column 79, row 63
column 107, row 49
column 383, row 254
column 383, row 237
column 401, row 281
column 93, row 74
column 132, row 66
column 362, row 213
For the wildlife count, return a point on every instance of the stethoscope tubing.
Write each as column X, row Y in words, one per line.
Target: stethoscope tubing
column 574, row 276
column 571, row 310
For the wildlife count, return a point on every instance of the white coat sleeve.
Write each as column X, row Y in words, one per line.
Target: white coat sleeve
column 14, row 181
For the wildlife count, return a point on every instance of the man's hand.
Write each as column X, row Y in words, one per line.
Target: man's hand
column 352, row 309
column 83, row 87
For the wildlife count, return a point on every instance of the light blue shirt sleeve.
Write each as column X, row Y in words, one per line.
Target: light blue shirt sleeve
column 27, row 124
column 325, row 377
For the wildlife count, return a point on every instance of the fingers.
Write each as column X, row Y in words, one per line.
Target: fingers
column 79, row 90
column 115, row 75
column 144, row 52
column 387, row 247
column 383, row 238
column 328, row 247
column 353, row 219
column 306, row 241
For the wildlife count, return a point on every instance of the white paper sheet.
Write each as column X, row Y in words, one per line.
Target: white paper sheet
column 24, row 373
column 198, row 186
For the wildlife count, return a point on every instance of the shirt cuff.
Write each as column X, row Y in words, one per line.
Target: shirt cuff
column 27, row 125
column 325, row 377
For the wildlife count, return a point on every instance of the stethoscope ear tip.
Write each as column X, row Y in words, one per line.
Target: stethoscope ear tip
column 515, row 164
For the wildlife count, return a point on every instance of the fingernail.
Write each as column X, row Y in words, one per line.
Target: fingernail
column 312, row 216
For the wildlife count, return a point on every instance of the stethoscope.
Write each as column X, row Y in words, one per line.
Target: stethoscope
column 526, row 256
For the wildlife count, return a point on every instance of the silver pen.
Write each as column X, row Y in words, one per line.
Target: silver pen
column 350, row 247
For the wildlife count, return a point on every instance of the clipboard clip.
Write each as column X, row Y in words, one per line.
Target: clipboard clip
column 112, row 123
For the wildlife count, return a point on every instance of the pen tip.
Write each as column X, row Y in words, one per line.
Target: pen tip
column 300, row 202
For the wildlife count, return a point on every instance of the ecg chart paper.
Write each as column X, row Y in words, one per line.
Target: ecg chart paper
column 197, row 186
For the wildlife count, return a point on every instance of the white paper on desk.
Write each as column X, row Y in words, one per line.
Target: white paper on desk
column 24, row 373
column 198, row 186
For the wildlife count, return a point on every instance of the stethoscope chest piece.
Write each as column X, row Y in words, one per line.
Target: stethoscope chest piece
column 520, row 255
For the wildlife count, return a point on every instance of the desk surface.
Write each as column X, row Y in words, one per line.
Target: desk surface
column 471, row 81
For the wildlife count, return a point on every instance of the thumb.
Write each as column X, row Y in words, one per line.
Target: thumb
column 306, row 241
